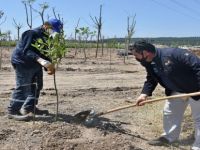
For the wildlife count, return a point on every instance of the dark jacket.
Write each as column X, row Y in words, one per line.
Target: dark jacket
column 176, row 70
column 24, row 53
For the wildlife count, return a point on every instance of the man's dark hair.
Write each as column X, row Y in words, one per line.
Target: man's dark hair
column 142, row 45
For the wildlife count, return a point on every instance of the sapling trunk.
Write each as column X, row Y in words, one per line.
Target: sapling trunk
column 84, row 47
column 56, row 50
column 36, row 88
column 57, row 99
column 110, row 57
column 1, row 58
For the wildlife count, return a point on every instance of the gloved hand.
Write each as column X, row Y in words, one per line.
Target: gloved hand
column 48, row 65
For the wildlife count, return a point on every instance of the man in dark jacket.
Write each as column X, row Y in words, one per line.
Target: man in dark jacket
column 178, row 71
column 27, row 62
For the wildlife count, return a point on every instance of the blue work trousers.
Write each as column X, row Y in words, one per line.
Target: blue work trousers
column 29, row 82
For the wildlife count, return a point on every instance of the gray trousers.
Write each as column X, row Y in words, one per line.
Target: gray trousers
column 173, row 115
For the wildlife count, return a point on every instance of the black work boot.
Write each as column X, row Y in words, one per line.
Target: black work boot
column 161, row 141
column 15, row 115
column 41, row 112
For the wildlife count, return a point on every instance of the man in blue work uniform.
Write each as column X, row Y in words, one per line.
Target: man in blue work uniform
column 27, row 62
column 178, row 71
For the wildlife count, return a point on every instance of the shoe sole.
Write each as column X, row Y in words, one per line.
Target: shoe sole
column 45, row 112
column 20, row 118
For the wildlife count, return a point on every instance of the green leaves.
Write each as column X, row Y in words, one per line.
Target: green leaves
column 85, row 32
column 54, row 47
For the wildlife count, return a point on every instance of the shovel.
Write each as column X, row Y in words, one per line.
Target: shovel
column 89, row 115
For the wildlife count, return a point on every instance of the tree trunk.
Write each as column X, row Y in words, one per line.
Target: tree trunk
column 57, row 99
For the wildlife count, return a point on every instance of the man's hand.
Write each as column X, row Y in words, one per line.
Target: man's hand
column 141, row 99
column 48, row 65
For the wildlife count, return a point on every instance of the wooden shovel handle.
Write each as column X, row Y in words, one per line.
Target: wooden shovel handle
column 172, row 97
column 149, row 101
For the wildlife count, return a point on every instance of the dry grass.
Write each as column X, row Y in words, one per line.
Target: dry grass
column 150, row 117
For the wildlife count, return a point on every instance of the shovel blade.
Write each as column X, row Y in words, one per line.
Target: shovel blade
column 82, row 116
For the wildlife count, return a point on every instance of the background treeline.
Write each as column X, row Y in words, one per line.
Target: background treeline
column 169, row 41
column 119, row 42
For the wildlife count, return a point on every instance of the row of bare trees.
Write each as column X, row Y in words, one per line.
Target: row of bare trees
column 28, row 5
column 2, row 20
column 85, row 32
column 29, row 10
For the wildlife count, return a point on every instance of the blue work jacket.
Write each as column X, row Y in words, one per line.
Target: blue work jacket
column 175, row 69
column 24, row 53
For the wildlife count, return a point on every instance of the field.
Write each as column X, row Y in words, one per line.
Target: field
column 100, row 84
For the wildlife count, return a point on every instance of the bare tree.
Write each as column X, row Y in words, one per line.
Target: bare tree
column 43, row 7
column 98, row 25
column 8, row 34
column 2, row 17
column 18, row 27
column 54, row 13
column 75, row 36
column 130, row 27
column 131, row 30
column 29, row 3
column 57, row 16
column 1, row 34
